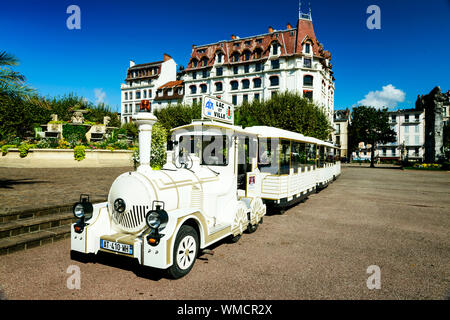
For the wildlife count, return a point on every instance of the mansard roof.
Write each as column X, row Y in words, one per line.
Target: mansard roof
column 291, row 42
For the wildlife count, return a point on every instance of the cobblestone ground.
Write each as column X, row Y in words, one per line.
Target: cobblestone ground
column 22, row 189
column 398, row 220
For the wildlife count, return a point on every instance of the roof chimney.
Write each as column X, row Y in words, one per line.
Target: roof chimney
column 289, row 26
column 233, row 37
column 167, row 57
column 270, row 29
column 132, row 63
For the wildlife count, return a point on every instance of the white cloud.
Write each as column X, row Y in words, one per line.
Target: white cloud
column 100, row 95
column 388, row 97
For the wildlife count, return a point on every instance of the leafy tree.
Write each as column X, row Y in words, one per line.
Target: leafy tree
column 18, row 116
column 371, row 126
column 176, row 115
column 158, row 151
column 12, row 83
column 130, row 129
column 288, row 111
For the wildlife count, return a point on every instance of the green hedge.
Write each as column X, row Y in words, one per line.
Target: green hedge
column 74, row 133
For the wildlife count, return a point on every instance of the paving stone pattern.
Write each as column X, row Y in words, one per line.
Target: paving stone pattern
column 31, row 189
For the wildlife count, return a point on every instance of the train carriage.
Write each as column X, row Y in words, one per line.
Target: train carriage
column 217, row 182
column 292, row 165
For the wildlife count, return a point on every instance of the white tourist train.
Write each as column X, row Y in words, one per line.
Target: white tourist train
column 217, row 183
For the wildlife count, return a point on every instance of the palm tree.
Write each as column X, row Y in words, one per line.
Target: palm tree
column 12, row 83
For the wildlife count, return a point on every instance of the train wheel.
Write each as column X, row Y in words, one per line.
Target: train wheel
column 235, row 238
column 185, row 252
column 252, row 228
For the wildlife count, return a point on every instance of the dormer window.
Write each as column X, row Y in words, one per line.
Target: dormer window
column 258, row 54
column 204, row 61
column 220, row 57
column 235, row 57
column 194, row 63
column 275, row 48
column 246, row 55
column 307, row 48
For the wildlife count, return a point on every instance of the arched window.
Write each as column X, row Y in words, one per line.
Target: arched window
column 274, row 81
column 219, row 57
column 245, row 84
column 234, row 85
column 193, row 89
column 246, row 55
column 205, row 61
column 307, row 48
column 308, row 81
column 275, row 47
column 194, row 63
column 258, row 53
column 219, row 86
column 235, row 57
column 257, row 83
column 203, row 88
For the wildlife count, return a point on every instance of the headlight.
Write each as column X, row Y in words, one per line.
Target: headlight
column 157, row 218
column 83, row 209
column 153, row 220
column 78, row 210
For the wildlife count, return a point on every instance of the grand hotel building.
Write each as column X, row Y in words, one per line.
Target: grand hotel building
column 255, row 67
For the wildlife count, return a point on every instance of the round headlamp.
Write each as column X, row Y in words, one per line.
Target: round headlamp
column 157, row 219
column 78, row 210
column 153, row 220
column 83, row 209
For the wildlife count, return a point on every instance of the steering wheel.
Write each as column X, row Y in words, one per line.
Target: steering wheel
column 183, row 161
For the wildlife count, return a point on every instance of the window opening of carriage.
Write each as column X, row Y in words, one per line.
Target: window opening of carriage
column 285, row 157
column 321, row 156
column 298, row 156
column 268, row 160
column 211, row 149
column 311, row 155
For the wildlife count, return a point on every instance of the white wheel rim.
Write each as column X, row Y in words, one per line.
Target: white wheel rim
column 186, row 252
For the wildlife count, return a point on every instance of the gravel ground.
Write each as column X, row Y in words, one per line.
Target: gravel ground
column 320, row 249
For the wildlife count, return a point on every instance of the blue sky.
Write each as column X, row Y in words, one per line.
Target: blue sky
column 408, row 56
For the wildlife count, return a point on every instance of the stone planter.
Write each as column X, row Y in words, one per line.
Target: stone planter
column 63, row 158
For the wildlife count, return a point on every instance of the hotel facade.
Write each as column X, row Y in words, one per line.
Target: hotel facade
column 238, row 70
column 258, row 67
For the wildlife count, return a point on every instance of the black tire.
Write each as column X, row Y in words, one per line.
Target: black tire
column 181, row 268
column 252, row 228
column 235, row 239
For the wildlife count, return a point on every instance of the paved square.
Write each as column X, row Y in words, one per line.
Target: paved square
column 319, row 249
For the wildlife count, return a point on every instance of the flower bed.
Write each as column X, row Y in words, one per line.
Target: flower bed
column 65, row 158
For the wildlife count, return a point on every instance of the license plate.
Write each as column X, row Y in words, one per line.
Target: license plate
column 116, row 247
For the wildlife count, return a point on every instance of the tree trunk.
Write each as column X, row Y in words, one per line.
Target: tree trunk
column 372, row 156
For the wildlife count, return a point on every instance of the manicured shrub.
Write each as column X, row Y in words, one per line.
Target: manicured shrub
column 6, row 147
column 24, row 147
column 79, row 153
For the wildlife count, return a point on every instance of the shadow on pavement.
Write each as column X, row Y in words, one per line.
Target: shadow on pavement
column 9, row 184
column 368, row 167
column 121, row 262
